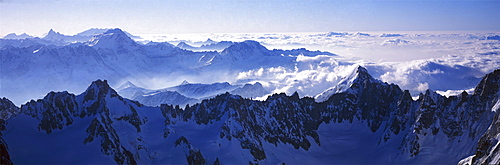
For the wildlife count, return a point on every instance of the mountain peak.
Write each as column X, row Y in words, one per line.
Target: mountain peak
column 357, row 76
column 184, row 82
column 489, row 85
column 54, row 36
column 115, row 30
column 246, row 49
column 7, row 109
column 295, row 96
column 362, row 73
column 51, row 31
column 127, row 84
column 114, row 39
column 99, row 89
column 184, row 45
column 101, row 84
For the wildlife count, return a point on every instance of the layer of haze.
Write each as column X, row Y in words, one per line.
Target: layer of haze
column 242, row 16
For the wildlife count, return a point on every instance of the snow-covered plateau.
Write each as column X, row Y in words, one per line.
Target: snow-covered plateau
column 294, row 98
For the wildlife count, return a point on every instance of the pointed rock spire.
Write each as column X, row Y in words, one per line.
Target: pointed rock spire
column 98, row 89
column 489, row 85
column 295, row 96
column 184, row 82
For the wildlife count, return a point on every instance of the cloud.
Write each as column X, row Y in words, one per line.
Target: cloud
column 422, row 87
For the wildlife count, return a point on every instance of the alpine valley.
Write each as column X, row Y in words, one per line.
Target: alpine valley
column 239, row 110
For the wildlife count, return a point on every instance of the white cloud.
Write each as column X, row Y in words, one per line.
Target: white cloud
column 422, row 87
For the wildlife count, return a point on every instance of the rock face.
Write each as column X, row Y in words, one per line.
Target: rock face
column 488, row 150
column 369, row 122
column 7, row 110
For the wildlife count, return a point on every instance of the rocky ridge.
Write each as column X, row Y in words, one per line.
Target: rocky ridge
column 431, row 129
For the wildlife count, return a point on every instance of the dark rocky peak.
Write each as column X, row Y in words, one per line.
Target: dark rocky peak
column 362, row 74
column 227, row 96
column 184, row 82
column 489, row 85
column 430, row 98
column 7, row 109
column 276, row 96
column 55, row 111
column 355, row 82
column 282, row 97
column 98, row 90
column 358, row 78
column 295, row 96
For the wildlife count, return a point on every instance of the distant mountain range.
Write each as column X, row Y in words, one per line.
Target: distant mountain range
column 187, row 93
column 55, row 62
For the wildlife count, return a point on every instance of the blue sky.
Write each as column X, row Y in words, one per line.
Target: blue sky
column 246, row 16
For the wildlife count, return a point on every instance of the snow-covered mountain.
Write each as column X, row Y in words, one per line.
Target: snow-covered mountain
column 96, row 31
column 369, row 122
column 115, row 56
column 250, row 90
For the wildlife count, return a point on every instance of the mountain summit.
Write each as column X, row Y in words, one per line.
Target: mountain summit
column 54, row 36
column 114, row 39
column 358, row 77
column 245, row 50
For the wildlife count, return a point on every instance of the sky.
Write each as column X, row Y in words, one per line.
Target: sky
column 70, row 17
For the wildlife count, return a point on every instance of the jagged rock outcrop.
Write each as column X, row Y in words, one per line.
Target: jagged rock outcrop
column 488, row 150
column 100, row 104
